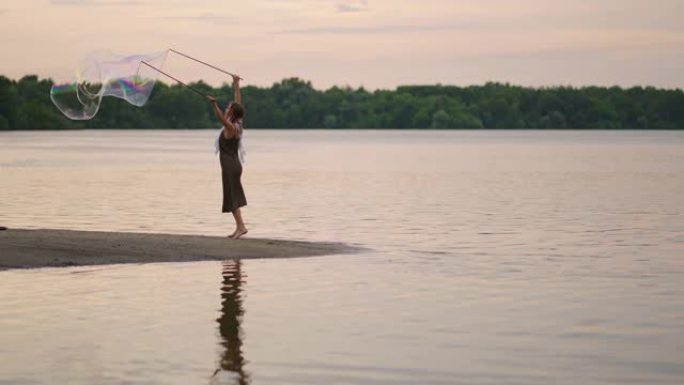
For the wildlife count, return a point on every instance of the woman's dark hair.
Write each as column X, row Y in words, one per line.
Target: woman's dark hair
column 238, row 110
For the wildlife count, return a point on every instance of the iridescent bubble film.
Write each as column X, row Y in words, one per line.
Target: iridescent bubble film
column 105, row 74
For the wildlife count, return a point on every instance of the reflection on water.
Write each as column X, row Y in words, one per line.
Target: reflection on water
column 499, row 257
column 230, row 330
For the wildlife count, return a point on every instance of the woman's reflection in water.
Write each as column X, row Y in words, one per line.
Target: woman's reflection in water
column 231, row 359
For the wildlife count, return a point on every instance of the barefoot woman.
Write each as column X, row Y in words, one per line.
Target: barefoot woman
column 231, row 168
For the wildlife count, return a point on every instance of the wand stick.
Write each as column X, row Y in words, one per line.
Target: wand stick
column 180, row 82
column 206, row 64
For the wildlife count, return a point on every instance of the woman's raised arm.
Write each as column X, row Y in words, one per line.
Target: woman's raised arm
column 236, row 89
column 229, row 130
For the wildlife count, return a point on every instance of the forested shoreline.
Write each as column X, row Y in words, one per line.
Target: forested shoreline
column 294, row 103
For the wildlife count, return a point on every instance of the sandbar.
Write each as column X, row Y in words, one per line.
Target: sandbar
column 20, row 248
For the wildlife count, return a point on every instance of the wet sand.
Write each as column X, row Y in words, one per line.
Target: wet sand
column 50, row 248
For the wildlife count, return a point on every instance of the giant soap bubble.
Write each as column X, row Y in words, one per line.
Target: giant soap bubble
column 105, row 74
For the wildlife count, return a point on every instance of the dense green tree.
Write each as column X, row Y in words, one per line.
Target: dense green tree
column 9, row 103
column 294, row 103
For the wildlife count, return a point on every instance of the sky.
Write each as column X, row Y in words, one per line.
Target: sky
column 369, row 43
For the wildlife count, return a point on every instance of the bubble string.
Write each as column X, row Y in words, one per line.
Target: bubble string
column 171, row 77
column 206, row 64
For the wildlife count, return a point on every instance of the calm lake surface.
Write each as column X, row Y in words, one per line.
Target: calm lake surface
column 497, row 257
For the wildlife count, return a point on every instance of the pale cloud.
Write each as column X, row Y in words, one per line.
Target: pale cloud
column 352, row 6
column 389, row 29
column 337, row 6
column 206, row 17
column 392, row 29
column 98, row 2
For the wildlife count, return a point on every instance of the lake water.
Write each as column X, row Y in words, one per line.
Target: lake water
column 496, row 257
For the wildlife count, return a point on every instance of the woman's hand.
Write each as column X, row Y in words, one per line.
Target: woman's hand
column 236, row 89
column 211, row 99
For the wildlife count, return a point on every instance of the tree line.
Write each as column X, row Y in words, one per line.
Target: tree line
column 294, row 103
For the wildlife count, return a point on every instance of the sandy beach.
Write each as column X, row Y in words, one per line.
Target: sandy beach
column 53, row 248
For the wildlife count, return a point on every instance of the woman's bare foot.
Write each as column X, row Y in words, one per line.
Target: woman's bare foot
column 239, row 233
column 232, row 235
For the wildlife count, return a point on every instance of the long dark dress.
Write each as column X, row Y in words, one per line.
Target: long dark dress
column 231, row 171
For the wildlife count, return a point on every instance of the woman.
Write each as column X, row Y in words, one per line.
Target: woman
column 231, row 168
